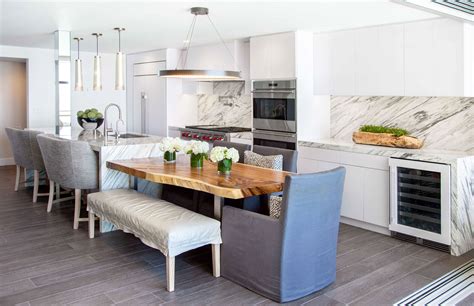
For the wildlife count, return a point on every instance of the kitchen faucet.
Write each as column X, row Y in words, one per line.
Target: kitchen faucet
column 110, row 129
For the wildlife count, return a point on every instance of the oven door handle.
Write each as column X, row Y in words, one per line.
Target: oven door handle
column 292, row 135
column 273, row 91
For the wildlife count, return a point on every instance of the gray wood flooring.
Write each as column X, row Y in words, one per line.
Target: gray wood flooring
column 43, row 261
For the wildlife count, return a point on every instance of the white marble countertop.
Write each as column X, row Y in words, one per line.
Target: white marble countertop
column 96, row 139
column 433, row 155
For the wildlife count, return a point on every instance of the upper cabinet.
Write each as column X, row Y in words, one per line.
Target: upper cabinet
column 272, row 56
column 424, row 58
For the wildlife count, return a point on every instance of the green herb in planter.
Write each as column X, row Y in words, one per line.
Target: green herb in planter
column 383, row 129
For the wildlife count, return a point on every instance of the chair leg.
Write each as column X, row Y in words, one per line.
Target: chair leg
column 216, row 260
column 51, row 196
column 35, row 185
column 58, row 191
column 17, row 179
column 77, row 207
column 170, row 273
column 91, row 225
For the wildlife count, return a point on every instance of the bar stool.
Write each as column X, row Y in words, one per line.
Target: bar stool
column 71, row 164
column 27, row 155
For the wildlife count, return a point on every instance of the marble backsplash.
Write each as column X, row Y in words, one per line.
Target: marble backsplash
column 228, row 104
column 445, row 123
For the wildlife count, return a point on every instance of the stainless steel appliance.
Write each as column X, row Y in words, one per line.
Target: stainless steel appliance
column 210, row 133
column 420, row 202
column 274, row 105
column 275, row 139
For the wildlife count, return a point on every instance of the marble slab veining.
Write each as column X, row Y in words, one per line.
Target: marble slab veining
column 228, row 105
column 443, row 122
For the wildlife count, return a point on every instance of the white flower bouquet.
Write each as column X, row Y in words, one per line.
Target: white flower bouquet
column 198, row 151
column 170, row 146
column 224, row 157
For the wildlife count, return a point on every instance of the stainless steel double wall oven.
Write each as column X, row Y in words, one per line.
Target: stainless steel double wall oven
column 274, row 113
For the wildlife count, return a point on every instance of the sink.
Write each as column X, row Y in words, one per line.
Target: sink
column 128, row 135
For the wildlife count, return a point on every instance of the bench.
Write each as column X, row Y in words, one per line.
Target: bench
column 157, row 223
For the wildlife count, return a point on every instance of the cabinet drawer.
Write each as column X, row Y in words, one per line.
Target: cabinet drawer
column 363, row 160
column 319, row 154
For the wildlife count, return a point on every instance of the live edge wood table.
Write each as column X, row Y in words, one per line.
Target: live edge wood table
column 243, row 181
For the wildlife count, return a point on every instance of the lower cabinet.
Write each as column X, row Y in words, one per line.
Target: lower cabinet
column 366, row 190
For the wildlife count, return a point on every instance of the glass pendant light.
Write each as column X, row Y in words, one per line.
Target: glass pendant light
column 119, row 83
column 97, row 80
column 205, row 74
column 78, row 84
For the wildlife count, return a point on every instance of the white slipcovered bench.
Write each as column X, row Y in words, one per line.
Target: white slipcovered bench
column 159, row 224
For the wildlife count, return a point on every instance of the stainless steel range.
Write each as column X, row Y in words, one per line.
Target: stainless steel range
column 210, row 133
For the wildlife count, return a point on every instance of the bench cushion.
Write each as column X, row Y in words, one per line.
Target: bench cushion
column 158, row 223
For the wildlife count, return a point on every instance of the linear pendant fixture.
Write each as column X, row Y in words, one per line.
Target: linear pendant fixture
column 119, row 83
column 97, row 80
column 78, row 83
column 204, row 74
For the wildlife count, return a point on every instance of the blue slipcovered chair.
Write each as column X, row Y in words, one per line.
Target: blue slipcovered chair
column 287, row 258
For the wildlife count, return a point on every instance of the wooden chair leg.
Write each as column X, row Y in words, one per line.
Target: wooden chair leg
column 91, row 225
column 35, row 185
column 51, row 196
column 17, row 179
column 77, row 207
column 170, row 273
column 216, row 260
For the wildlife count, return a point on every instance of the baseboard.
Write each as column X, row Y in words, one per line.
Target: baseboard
column 7, row 161
column 365, row 225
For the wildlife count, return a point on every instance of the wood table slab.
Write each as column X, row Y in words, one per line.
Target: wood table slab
column 244, row 180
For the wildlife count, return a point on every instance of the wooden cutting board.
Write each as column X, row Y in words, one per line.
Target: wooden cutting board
column 387, row 140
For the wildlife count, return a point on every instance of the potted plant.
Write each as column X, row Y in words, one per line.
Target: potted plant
column 386, row 136
column 169, row 146
column 224, row 157
column 198, row 151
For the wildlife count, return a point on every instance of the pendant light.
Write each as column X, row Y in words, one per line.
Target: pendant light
column 199, row 74
column 119, row 84
column 97, row 80
column 78, row 84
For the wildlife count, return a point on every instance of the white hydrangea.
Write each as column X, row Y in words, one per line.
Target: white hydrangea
column 197, row 147
column 170, row 144
column 220, row 153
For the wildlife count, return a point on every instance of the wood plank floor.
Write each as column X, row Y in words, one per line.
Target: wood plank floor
column 43, row 261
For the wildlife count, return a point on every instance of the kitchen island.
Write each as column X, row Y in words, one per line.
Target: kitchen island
column 135, row 146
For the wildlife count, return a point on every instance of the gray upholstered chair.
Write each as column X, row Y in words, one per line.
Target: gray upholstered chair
column 260, row 203
column 71, row 164
column 241, row 147
column 27, row 155
column 287, row 258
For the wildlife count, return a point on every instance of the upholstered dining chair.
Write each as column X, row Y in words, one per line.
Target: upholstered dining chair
column 287, row 258
column 27, row 155
column 71, row 164
column 240, row 147
column 260, row 203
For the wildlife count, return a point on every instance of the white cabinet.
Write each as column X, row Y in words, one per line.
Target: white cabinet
column 366, row 186
column 272, row 56
column 342, row 75
column 376, row 196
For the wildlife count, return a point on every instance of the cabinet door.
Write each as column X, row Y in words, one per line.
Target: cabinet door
column 343, row 63
column 282, row 56
column 259, row 57
column 353, row 197
column 376, row 197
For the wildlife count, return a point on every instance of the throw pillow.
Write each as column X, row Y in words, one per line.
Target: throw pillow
column 271, row 161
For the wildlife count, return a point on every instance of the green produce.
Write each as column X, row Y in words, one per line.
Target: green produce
column 92, row 114
column 383, row 129
column 80, row 113
column 99, row 116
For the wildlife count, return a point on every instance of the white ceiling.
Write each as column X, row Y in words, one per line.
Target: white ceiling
column 159, row 24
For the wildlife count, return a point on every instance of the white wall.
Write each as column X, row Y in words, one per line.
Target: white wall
column 423, row 58
column 81, row 100
column 12, row 103
column 41, row 99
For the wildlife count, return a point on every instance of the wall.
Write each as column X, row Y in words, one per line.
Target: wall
column 12, row 103
column 225, row 104
column 423, row 58
column 81, row 100
column 445, row 123
column 41, row 99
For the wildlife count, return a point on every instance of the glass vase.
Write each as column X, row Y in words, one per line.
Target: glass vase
column 169, row 157
column 197, row 160
column 224, row 166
